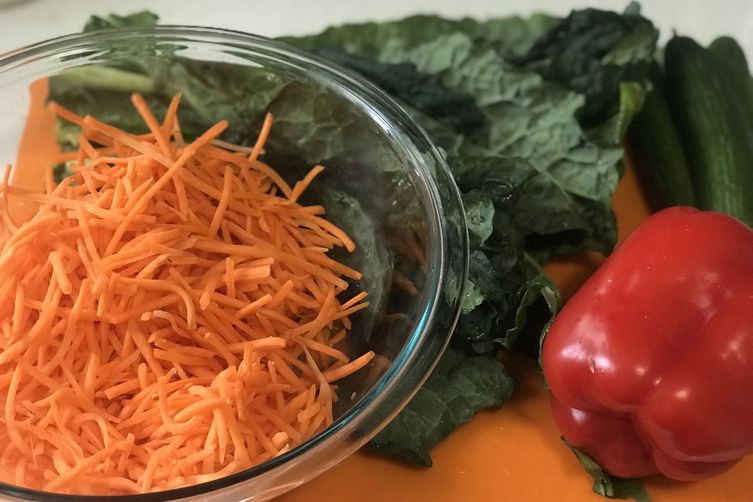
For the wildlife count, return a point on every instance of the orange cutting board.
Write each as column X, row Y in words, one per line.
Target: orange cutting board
column 514, row 454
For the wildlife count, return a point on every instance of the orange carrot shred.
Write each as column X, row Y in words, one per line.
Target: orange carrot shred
column 170, row 312
column 259, row 145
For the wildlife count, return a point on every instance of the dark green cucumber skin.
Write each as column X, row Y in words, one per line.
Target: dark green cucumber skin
column 731, row 57
column 713, row 128
column 657, row 153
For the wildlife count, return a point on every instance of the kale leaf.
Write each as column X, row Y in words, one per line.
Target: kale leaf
column 104, row 91
column 389, row 41
column 537, row 174
column 525, row 116
column 503, row 279
column 424, row 92
column 593, row 52
column 607, row 485
column 142, row 19
column 460, row 385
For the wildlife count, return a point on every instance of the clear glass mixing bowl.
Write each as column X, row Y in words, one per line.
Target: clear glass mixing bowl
column 409, row 207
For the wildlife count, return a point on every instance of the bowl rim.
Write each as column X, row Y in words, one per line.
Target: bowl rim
column 394, row 117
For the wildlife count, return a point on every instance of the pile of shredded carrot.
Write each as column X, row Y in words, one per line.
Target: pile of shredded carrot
column 168, row 316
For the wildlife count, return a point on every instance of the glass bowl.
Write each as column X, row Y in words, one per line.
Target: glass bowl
column 408, row 220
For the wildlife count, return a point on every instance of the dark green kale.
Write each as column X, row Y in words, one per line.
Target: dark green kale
column 424, row 92
column 143, row 19
column 593, row 52
column 460, row 385
column 607, row 485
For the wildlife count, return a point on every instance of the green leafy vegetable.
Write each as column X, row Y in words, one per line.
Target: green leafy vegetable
column 424, row 92
column 593, row 52
column 389, row 41
column 100, row 90
column 537, row 174
column 460, row 385
column 607, row 485
column 525, row 115
column 370, row 257
column 143, row 19
column 501, row 273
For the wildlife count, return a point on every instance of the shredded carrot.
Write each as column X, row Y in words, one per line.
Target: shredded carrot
column 168, row 316
column 258, row 147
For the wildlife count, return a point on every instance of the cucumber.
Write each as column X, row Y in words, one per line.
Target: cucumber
column 730, row 56
column 657, row 153
column 713, row 126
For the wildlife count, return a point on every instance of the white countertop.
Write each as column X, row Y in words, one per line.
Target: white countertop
column 27, row 21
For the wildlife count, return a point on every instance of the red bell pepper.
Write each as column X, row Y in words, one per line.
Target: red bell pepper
column 650, row 364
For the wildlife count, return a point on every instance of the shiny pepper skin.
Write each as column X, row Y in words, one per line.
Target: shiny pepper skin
column 650, row 364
